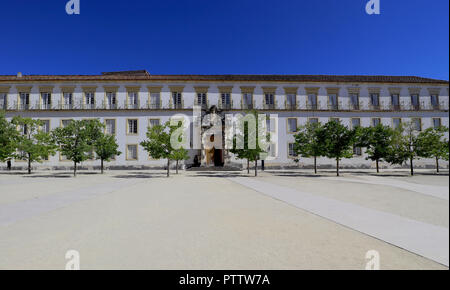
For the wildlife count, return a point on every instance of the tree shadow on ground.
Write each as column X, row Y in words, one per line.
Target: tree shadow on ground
column 130, row 175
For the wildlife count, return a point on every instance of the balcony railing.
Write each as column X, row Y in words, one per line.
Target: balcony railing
column 269, row 106
column 354, row 106
column 374, row 107
column 225, row 106
column 88, row 106
column 334, row 107
column 310, row 106
column 23, row 107
column 290, row 106
column 154, row 105
column 45, row 106
column 246, row 106
column 131, row 106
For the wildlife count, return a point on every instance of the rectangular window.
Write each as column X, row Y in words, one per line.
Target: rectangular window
column 132, row 152
column 435, row 101
column 155, row 101
column 45, row 127
column 312, row 101
column 376, row 122
column 313, row 120
column 132, row 126
column 395, row 100
column 375, row 100
column 67, row 101
column 291, row 151
column 291, row 101
column 153, row 122
column 356, row 122
column 247, row 99
column 46, row 101
column 177, row 101
column 110, row 126
column 436, row 122
column 24, row 101
column 201, row 100
column 354, row 101
column 292, row 125
column 89, row 99
column 333, row 101
column 225, row 100
column 396, row 122
column 357, row 151
column 3, row 101
column 132, row 100
column 415, row 102
column 111, row 100
column 269, row 101
column 417, row 124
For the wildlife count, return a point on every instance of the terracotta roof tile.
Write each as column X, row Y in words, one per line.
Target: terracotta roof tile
column 144, row 76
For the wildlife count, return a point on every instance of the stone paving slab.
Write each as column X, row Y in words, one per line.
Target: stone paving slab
column 424, row 239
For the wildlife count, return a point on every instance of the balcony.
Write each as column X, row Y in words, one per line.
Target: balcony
column 374, row 107
column 109, row 106
column 334, row 107
column 225, row 106
column 88, row 106
column 269, row 106
column 23, row 107
column 44, row 106
column 246, row 106
column 354, row 106
column 154, row 105
column 290, row 106
column 312, row 106
column 131, row 106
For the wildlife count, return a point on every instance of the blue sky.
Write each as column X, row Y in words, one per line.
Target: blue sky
column 410, row 37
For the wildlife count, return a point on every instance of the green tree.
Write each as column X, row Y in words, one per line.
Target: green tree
column 403, row 146
column 179, row 154
column 376, row 140
column 8, row 139
column 338, row 141
column 308, row 142
column 159, row 145
column 431, row 144
column 106, row 149
column 250, row 143
column 33, row 145
column 77, row 139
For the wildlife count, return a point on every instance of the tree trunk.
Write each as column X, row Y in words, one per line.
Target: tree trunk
column 101, row 166
column 337, row 166
column 29, row 164
column 256, row 167
column 437, row 164
column 75, row 169
column 176, row 168
column 168, row 165
column 378, row 167
column 411, row 166
column 315, row 164
column 248, row 166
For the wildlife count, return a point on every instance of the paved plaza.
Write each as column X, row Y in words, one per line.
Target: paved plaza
column 290, row 219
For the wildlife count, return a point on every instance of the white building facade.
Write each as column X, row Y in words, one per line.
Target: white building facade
column 128, row 102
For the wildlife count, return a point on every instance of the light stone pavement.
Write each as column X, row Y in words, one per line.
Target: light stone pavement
column 428, row 240
column 142, row 220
